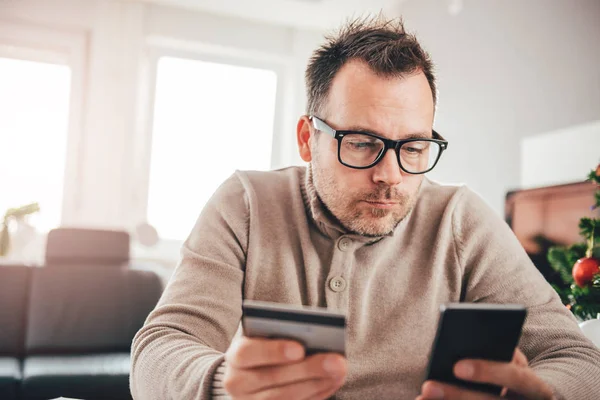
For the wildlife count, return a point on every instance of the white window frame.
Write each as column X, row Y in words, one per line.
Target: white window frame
column 157, row 47
column 53, row 45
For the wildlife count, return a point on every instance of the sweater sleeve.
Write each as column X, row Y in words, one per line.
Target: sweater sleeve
column 179, row 351
column 497, row 270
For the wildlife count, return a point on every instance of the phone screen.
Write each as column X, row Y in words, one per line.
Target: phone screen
column 474, row 331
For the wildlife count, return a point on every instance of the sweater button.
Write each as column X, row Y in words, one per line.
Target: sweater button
column 337, row 284
column 344, row 243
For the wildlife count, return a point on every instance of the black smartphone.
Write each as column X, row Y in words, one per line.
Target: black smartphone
column 474, row 331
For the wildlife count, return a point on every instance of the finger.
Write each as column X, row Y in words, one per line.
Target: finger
column 327, row 393
column 258, row 352
column 311, row 389
column 520, row 359
column 515, row 378
column 438, row 390
column 331, row 367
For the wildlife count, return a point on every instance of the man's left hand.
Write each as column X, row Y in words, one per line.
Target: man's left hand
column 518, row 380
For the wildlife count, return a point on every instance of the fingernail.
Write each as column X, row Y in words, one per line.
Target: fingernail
column 293, row 352
column 464, row 370
column 331, row 365
column 435, row 392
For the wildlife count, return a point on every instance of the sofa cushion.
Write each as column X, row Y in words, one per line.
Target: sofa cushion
column 90, row 377
column 88, row 310
column 14, row 289
column 84, row 247
column 10, row 375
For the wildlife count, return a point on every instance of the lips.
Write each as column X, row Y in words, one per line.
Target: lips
column 382, row 204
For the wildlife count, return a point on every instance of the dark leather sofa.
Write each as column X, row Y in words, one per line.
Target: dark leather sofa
column 66, row 327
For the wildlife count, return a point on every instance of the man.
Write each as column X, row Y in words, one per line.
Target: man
column 361, row 231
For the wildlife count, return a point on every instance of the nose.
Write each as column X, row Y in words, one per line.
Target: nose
column 388, row 171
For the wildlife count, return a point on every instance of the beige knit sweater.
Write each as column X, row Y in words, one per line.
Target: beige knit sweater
column 266, row 236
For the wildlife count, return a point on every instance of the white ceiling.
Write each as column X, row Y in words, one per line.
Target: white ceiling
column 308, row 14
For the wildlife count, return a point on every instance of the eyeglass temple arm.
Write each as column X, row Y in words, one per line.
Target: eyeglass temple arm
column 440, row 137
column 322, row 126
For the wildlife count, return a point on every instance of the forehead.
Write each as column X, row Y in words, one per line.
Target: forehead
column 394, row 106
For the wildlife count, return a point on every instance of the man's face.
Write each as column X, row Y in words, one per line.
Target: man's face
column 371, row 201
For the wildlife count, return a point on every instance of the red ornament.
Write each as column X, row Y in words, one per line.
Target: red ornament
column 584, row 270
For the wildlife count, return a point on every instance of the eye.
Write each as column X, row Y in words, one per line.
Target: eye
column 356, row 145
column 413, row 150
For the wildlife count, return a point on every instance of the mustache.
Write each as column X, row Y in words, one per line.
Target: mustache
column 384, row 193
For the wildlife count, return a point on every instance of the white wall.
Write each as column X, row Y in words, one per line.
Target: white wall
column 563, row 156
column 507, row 69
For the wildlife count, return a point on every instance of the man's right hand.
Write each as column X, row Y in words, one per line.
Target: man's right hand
column 273, row 369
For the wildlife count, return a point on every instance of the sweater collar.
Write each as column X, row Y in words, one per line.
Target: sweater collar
column 325, row 221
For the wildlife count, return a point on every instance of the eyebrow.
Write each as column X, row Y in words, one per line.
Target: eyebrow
column 416, row 135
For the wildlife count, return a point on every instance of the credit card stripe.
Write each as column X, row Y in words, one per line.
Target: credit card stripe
column 295, row 317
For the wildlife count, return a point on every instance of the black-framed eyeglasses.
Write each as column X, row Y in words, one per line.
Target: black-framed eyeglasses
column 362, row 150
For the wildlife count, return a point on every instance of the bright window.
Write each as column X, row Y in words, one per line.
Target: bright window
column 34, row 108
column 209, row 120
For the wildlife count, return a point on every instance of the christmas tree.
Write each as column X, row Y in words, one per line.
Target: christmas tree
column 579, row 265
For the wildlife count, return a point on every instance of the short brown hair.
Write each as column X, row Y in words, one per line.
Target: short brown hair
column 383, row 44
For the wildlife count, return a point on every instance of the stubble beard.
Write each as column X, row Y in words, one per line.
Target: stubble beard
column 355, row 217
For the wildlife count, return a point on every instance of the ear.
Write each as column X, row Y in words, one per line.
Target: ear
column 304, row 136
